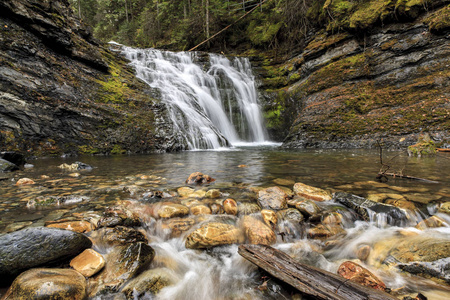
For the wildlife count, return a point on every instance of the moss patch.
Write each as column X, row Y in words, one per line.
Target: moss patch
column 439, row 21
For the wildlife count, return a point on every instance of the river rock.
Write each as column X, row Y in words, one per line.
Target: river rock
column 439, row 269
column 213, row 194
column 230, row 206
column 55, row 284
column 431, row 222
column 75, row 166
column 39, row 246
column 199, row 178
column 122, row 264
column 445, row 207
column 402, row 203
column 216, row 209
column 119, row 235
column 149, row 281
column 7, row 166
column 178, row 225
column 324, row 232
column 214, row 234
column 307, row 208
column 310, row 192
column 247, row 208
column 362, row 206
column 257, row 232
column 200, row 210
column 77, row 225
column 25, row 181
column 269, row 217
column 285, row 182
column 358, row 274
column 291, row 215
column 171, row 210
column 185, row 191
column 119, row 216
column 272, row 198
column 88, row 263
column 363, row 252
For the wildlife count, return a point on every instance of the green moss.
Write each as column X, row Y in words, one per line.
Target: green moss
column 370, row 13
column 439, row 21
column 88, row 149
column 117, row 149
column 425, row 146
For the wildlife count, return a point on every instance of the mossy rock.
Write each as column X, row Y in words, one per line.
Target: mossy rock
column 425, row 146
column 439, row 21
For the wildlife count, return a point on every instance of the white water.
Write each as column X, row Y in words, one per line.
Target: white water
column 212, row 105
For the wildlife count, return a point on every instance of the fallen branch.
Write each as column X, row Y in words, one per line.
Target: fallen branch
column 407, row 177
column 307, row 279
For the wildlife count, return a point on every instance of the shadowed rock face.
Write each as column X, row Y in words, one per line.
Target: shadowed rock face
column 61, row 91
column 33, row 247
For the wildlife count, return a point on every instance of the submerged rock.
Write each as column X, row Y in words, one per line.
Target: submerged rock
column 230, row 207
column 199, row 178
column 171, row 210
column 149, row 281
column 358, row 274
column 119, row 216
column 365, row 208
column 55, row 284
column 272, row 198
column 310, row 192
column 33, row 247
column 214, row 234
column 178, row 225
column 247, row 208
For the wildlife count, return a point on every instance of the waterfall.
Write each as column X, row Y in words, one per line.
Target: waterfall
column 212, row 102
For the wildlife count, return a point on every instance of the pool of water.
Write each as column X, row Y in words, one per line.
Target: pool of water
column 236, row 171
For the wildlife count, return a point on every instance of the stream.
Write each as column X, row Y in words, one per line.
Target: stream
column 239, row 173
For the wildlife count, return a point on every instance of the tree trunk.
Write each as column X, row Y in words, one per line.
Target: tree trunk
column 207, row 20
column 126, row 9
column 79, row 9
column 307, row 279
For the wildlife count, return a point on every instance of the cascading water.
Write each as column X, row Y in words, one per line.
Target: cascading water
column 211, row 105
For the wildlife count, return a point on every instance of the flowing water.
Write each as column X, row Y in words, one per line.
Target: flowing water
column 212, row 100
column 220, row 273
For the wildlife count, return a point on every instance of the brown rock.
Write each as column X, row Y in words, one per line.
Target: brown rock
column 58, row 284
column 200, row 210
column 214, row 234
column 311, row 192
column 269, row 217
column 199, row 178
column 307, row 207
column 445, row 207
column 178, row 225
column 230, row 206
column 356, row 273
column 272, row 198
column 323, row 232
column 77, row 226
column 363, row 252
column 431, row 222
column 216, row 209
column 171, row 210
column 185, row 191
column 24, row 181
column 119, row 235
column 247, row 208
column 257, row 232
column 213, row 194
column 402, row 203
column 149, row 281
column 88, row 263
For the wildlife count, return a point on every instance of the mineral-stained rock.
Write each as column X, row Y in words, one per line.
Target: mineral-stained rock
column 77, row 226
column 356, row 273
column 185, row 191
column 291, row 215
column 39, row 246
column 230, row 207
column 431, row 222
column 248, row 208
column 178, row 225
column 272, row 198
column 118, row 235
column 323, row 231
column 122, row 263
column 199, row 178
column 311, row 192
column 171, row 210
column 307, row 207
column 118, row 216
column 214, row 234
column 88, row 263
column 24, row 181
column 200, row 210
column 213, row 194
column 257, row 232
column 55, row 284
column 269, row 217
column 149, row 281
column 216, row 209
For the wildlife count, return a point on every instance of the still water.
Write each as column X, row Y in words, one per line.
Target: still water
column 221, row 273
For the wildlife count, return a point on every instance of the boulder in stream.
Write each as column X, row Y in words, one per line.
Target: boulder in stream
column 257, row 232
column 34, row 247
column 214, row 234
column 272, row 198
column 88, row 263
column 361, row 275
column 310, row 192
column 7, row 166
column 199, row 178
column 367, row 209
column 55, row 284
column 149, row 281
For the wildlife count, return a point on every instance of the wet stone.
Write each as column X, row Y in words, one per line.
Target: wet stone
column 152, row 281
column 310, row 192
column 269, row 217
column 247, row 208
column 88, row 263
column 200, row 210
column 356, row 273
column 55, row 284
column 257, row 232
column 214, row 234
column 272, row 198
column 431, row 222
column 324, row 232
column 77, row 226
column 230, row 207
column 290, row 215
column 178, row 225
column 199, row 178
column 307, row 208
column 216, row 209
column 171, row 210
column 119, row 235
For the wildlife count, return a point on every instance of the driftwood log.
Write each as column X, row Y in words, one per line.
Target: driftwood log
column 307, row 279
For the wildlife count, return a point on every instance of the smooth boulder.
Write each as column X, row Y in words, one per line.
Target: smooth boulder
column 34, row 247
column 54, row 284
column 88, row 263
column 311, row 192
column 149, row 281
column 214, row 234
column 272, row 198
column 354, row 272
column 257, row 232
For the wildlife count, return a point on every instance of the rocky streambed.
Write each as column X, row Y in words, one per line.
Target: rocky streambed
column 74, row 233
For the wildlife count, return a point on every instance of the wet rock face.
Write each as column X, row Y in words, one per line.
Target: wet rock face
column 57, row 93
column 33, row 247
column 55, row 284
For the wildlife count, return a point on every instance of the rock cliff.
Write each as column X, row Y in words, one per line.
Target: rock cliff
column 63, row 92
column 378, row 71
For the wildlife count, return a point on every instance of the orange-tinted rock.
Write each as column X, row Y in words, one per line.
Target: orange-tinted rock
column 323, row 232
column 171, row 210
column 356, row 273
column 269, row 217
column 24, row 181
column 88, row 263
column 273, row 198
column 77, row 226
column 214, row 234
column 257, row 232
column 230, row 206
column 311, row 192
column 199, row 178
